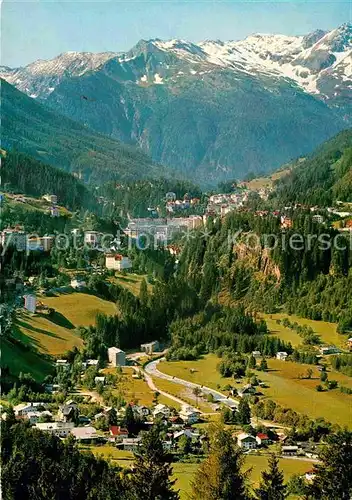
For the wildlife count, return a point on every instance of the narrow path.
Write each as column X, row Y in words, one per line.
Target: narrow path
column 154, row 388
column 151, row 369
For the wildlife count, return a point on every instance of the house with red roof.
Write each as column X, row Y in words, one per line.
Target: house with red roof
column 117, row 433
column 262, row 439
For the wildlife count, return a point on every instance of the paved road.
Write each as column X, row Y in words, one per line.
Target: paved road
column 154, row 388
column 219, row 398
column 152, row 370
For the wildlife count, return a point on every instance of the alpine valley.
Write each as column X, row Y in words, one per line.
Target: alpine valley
column 213, row 110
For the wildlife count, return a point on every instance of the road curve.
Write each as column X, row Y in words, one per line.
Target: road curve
column 152, row 370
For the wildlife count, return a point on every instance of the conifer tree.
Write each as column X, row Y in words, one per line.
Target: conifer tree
column 272, row 484
column 244, row 412
column 333, row 476
column 220, row 476
column 152, row 473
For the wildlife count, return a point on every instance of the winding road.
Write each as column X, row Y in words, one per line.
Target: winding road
column 152, row 370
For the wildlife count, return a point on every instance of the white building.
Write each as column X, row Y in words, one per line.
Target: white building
column 150, row 347
column 246, row 441
column 92, row 362
column 34, row 416
column 161, row 411
column 59, row 429
column 30, row 302
column 92, row 238
column 63, row 363
column 282, row 355
column 189, row 415
column 116, row 356
column 85, row 433
column 50, row 198
column 23, row 408
column 117, row 262
column 318, row 218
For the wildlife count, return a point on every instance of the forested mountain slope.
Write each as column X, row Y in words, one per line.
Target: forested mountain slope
column 323, row 177
column 24, row 174
column 30, row 127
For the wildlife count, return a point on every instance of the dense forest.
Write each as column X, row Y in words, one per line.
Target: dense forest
column 323, row 177
column 240, row 263
column 37, row 465
column 23, row 174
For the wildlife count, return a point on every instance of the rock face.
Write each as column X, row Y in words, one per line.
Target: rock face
column 213, row 110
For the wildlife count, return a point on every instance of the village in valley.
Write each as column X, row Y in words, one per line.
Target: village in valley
column 105, row 404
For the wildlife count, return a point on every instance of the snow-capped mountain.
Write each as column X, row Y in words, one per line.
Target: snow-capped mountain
column 320, row 62
column 40, row 78
column 212, row 109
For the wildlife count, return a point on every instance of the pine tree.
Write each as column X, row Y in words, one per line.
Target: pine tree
column 151, row 477
column 143, row 293
column 272, row 484
column 333, row 476
column 220, row 476
column 263, row 365
column 112, row 418
column 244, row 412
column 252, row 362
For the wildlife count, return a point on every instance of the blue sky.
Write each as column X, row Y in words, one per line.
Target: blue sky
column 41, row 29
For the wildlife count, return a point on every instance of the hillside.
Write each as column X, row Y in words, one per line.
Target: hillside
column 30, row 127
column 23, row 174
column 322, row 178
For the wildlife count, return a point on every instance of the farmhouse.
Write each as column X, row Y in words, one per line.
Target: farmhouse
column 329, row 350
column 262, row 439
column 161, row 411
column 24, row 408
column 34, row 416
column 246, row 441
column 117, row 433
column 116, row 356
column 92, row 238
column 50, row 198
column 78, row 283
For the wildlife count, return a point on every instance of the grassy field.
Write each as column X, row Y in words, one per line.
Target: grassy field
column 202, row 371
column 52, row 335
column 182, row 393
column 46, row 334
column 266, row 182
column 327, row 331
column 131, row 281
column 19, row 360
column 285, row 386
column 184, row 472
column 137, row 390
column 55, row 334
column 79, row 309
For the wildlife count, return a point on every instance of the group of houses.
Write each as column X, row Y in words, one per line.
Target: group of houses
column 68, row 421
